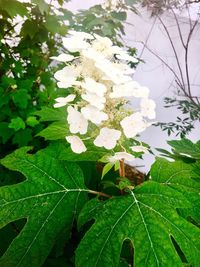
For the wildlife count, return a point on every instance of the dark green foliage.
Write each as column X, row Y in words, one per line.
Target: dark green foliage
column 26, row 82
column 49, row 199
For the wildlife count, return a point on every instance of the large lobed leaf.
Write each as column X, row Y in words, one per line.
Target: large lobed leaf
column 49, row 199
column 62, row 151
column 186, row 147
column 149, row 218
column 182, row 177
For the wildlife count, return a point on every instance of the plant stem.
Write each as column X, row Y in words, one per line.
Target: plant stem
column 122, row 168
column 99, row 193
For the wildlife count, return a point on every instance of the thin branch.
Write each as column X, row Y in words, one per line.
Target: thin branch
column 173, row 47
column 167, row 65
column 147, row 39
column 179, row 29
column 186, row 56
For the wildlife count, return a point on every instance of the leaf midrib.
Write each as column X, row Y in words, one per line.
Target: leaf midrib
column 112, row 228
column 40, row 229
column 44, row 194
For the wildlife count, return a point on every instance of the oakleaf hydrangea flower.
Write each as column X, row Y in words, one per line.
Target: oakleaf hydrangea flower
column 107, row 138
column 62, row 101
column 99, row 87
column 64, row 58
column 76, row 143
column 148, row 108
column 94, row 100
column 93, row 114
column 77, row 122
column 133, row 124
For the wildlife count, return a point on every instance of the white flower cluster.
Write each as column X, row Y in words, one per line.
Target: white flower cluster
column 99, row 87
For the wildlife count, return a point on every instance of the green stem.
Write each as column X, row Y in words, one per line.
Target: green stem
column 99, row 193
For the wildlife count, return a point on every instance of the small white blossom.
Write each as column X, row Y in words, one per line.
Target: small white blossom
column 94, row 100
column 81, row 35
column 148, row 108
column 124, row 90
column 94, row 87
column 93, row 114
column 92, row 54
column 107, row 138
column 112, row 72
column 77, row 122
column 64, row 58
column 77, row 145
column 121, row 156
column 75, row 44
column 133, row 124
column 139, row 149
column 67, row 76
column 62, row 101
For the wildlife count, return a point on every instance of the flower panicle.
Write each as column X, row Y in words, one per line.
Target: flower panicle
column 100, row 78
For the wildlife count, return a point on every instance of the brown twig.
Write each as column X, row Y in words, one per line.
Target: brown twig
column 122, row 168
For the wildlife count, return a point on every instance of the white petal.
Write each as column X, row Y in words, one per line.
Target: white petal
column 76, row 143
column 64, row 58
column 82, row 35
column 77, row 122
column 94, row 87
column 93, row 114
column 75, row 44
column 133, row 124
column 107, row 138
column 94, row 100
column 148, row 108
column 62, row 101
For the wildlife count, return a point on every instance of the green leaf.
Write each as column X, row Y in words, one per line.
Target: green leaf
column 29, row 28
column 148, row 218
column 13, row 8
column 56, row 130
column 51, row 114
column 182, row 177
column 20, row 98
column 23, row 137
column 119, row 15
column 130, row 2
column 32, row 121
column 52, row 24
column 5, row 132
column 49, row 199
column 107, row 168
column 186, row 147
column 17, row 124
column 42, row 5
column 64, row 152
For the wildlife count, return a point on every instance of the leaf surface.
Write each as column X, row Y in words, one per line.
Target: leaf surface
column 182, row 177
column 49, row 199
column 64, row 152
column 186, row 147
column 148, row 218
